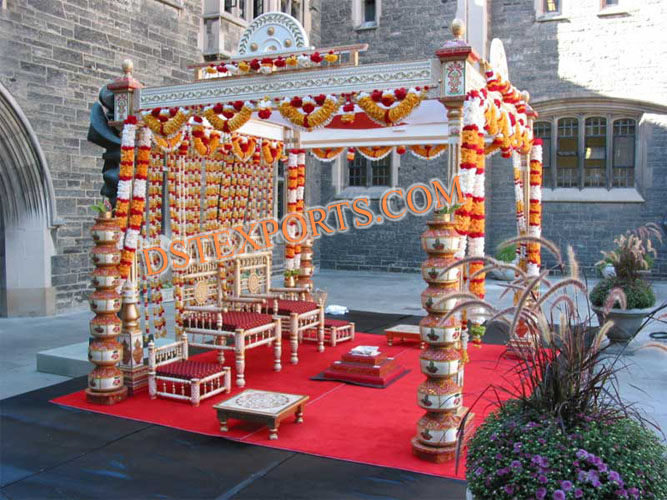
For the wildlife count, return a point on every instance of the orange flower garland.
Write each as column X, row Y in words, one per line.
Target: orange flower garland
column 520, row 209
column 271, row 151
column 375, row 152
column 137, row 205
column 234, row 116
column 428, row 151
column 168, row 145
column 165, row 122
column 326, row 154
column 126, row 173
column 310, row 112
column 535, row 217
column 243, row 147
column 204, row 144
column 390, row 113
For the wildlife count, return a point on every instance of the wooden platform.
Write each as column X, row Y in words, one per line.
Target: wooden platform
column 403, row 332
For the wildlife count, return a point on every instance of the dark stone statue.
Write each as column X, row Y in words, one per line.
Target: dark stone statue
column 100, row 132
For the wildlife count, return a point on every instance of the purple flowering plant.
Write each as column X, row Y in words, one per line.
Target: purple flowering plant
column 561, row 429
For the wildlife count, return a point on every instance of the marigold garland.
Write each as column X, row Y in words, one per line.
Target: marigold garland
column 234, row 116
column 312, row 116
column 535, row 216
column 520, row 209
column 137, row 205
column 243, row 147
column 292, row 187
column 326, row 154
column 205, row 142
column 126, row 173
column 271, row 151
column 165, row 122
column 375, row 153
column 168, row 145
column 428, row 151
column 397, row 105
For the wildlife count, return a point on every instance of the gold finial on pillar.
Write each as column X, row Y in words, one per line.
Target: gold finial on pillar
column 128, row 67
column 458, row 29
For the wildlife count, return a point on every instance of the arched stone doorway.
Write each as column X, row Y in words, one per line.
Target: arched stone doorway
column 27, row 215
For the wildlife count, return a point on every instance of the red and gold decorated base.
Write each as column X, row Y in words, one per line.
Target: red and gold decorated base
column 106, row 398
column 135, row 380
column 443, row 454
column 379, row 370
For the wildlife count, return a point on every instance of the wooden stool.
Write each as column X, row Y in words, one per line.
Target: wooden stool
column 266, row 407
column 404, row 332
column 335, row 331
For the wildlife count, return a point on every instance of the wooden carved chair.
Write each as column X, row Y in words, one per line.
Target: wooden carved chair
column 212, row 320
column 172, row 375
column 252, row 280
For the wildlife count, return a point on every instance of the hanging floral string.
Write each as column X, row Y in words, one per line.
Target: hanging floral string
column 292, row 185
column 300, row 198
column 272, row 151
column 520, row 209
column 535, row 217
column 127, row 143
column 243, row 147
column 137, row 204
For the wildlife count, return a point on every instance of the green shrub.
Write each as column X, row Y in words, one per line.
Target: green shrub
column 638, row 293
column 506, row 253
column 514, row 454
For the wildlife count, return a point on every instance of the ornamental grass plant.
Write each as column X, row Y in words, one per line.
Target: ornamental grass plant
column 562, row 431
column 634, row 254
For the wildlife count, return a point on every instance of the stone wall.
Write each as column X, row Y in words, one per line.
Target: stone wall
column 585, row 55
column 54, row 57
column 582, row 55
column 407, row 30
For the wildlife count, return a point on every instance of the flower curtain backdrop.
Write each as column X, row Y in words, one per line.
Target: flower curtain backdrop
column 211, row 149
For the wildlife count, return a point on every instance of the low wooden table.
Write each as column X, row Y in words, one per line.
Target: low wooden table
column 266, row 407
column 404, row 332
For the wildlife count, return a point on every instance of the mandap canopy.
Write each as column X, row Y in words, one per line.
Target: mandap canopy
column 280, row 97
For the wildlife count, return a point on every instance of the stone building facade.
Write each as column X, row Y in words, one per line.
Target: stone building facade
column 593, row 71
column 55, row 55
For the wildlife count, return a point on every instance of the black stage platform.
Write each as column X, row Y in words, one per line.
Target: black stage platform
column 52, row 452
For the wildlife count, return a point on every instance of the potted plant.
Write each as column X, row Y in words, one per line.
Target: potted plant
column 560, row 430
column 506, row 254
column 167, row 292
column 632, row 257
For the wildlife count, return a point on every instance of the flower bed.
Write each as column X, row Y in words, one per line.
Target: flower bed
column 514, row 456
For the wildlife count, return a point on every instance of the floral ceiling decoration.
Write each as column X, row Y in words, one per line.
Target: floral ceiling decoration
column 268, row 65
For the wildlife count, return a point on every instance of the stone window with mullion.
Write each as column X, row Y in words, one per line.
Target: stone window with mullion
column 366, row 173
column 589, row 151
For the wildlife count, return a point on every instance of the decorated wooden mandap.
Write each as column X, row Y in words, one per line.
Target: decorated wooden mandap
column 202, row 157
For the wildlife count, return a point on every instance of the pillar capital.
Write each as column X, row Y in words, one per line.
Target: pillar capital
column 123, row 89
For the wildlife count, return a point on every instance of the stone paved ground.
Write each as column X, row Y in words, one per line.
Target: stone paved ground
column 642, row 380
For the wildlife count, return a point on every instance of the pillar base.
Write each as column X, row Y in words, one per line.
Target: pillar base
column 441, row 454
column 136, row 380
column 106, row 398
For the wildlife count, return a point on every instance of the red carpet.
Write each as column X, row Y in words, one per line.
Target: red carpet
column 359, row 424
